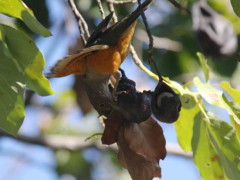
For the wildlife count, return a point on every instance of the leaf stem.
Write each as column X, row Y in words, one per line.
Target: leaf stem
column 201, row 109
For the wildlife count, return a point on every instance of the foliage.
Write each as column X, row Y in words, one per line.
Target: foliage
column 236, row 6
column 215, row 142
column 21, row 65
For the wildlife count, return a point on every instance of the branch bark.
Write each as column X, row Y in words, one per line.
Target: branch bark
column 179, row 6
column 76, row 143
column 122, row 2
column 159, row 43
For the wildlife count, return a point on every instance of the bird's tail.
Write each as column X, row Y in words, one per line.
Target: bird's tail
column 112, row 34
column 135, row 14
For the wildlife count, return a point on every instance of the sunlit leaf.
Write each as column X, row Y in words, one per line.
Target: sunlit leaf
column 205, row 156
column 184, row 125
column 236, row 126
column 16, row 8
column 234, row 93
column 214, row 97
column 236, row 6
column 224, row 140
column 28, row 58
column 203, row 62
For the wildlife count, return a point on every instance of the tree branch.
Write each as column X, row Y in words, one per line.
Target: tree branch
column 179, row 6
column 151, row 60
column 101, row 9
column 159, row 43
column 76, row 143
column 82, row 25
column 111, row 9
column 122, row 2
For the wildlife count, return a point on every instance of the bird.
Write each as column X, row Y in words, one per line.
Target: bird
column 101, row 57
column 134, row 105
column 166, row 104
column 215, row 34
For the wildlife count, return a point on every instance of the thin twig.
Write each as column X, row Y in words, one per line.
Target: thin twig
column 101, row 9
column 139, row 63
column 111, row 9
column 159, row 42
column 150, row 48
column 179, row 6
column 92, row 136
column 83, row 27
column 122, row 2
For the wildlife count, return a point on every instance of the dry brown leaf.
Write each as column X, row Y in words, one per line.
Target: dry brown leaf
column 121, row 158
column 112, row 126
column 146, row 139
column 138, row 167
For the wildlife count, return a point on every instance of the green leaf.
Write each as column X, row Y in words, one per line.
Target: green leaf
column 234, row 93
column 225, row 10
column 236, row 6
column 28, row 58
column 16, row 8
column 184, row 125
column 21, row 66
column 204, row 155
column 203, row 62
column 236, row 126
column 214, row 97
column 11, row 93
column 224, row 140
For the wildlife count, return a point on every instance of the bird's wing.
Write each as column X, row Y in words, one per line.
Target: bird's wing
column 75, row 63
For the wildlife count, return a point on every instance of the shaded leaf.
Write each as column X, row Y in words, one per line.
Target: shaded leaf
column 16, row 8
column 28, row 58
column 12, row 84
column 184, row 125
column 203, row 62
column 236, row 6
column 21, row 66
column 112, row 126
column 146, row 139
column 205, row 156
column 224, row 139
column 214, row 97
column 138, row 167
column 236, row 126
